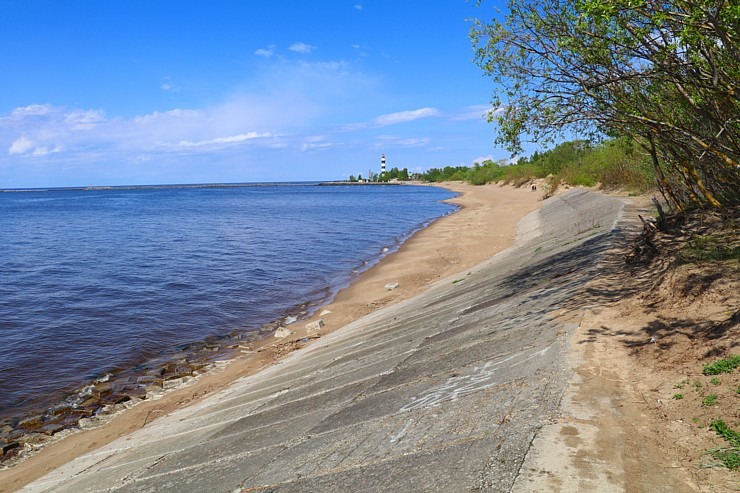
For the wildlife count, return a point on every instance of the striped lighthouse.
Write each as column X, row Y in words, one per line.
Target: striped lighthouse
column 382, row 165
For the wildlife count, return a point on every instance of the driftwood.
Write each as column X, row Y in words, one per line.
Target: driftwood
column 661, row 224
column 643, row 248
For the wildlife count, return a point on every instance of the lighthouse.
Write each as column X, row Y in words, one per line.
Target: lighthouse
column 382, row 165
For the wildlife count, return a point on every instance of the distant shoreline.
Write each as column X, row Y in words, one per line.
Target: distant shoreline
column 361, row 183
column 206, row 185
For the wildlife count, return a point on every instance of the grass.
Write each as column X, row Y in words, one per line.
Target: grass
column 725, row 365
column 678, row 397
column 707, row 248
column 730, row 457
column 715, row 381
column 710, row 400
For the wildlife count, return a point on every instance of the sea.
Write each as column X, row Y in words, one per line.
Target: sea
column 99, row 281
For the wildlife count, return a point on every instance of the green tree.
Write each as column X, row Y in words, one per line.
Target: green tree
column 665, row 74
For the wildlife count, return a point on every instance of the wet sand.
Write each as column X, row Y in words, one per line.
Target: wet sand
column 445, row 251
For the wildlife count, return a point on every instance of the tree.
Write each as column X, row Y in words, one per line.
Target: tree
column 663, row 73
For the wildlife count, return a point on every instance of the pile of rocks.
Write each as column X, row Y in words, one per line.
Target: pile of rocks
column 90, row 405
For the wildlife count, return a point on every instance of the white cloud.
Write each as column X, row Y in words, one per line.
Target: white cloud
column 358, row 6
column 84, row 120
column 169, row 86
column 405, row 116
column 480, row 159
column 25, row 146
column 386, row 140
column 290, row 107
column 265, row 52
column 316, row 142
column 299, row 47
column 32, row 110
column 21, row 145
column 43, row 151
column 476, row 112
column 232, row 139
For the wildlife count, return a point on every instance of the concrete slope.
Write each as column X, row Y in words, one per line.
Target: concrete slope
column 441, row 393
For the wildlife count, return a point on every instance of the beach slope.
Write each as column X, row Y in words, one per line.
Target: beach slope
column 445, row 391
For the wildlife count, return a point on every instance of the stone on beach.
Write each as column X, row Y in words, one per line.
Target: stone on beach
column 6, row 447
column 324, row 312
column 391, row 286
column 282, row 332
column 314, row 326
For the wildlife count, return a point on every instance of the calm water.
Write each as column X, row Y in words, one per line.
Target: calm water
column 97, row 280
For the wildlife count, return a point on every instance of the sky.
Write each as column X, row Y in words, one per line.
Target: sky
column 180, row 91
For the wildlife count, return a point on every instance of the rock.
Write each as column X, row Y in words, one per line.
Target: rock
column 137, row 392
column 174, row 382
column 6, row 447
column 52, row 429
column 86, row 423
column 149, row 380
column 391, row 286
column 31, row 422
column 282, row 332
column 290, row 320
column 102, row 390
column 325, row 312
column 314, row 326
column 59, row 410
column 115, row 399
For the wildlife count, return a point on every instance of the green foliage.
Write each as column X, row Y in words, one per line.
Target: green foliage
column 710, row 400
column 725, row 365
column 730, row 457
column 705, row 248
column 445, row 174
column 394, row 174
column 714, row 381
column 664, row 75
column 611, row 163
column 678, row 396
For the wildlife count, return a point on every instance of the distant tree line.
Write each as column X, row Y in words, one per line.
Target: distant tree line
column 661, row 76
column 612, row 163
column 392, row 174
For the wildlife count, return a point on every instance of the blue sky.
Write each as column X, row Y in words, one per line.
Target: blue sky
column 180, row 91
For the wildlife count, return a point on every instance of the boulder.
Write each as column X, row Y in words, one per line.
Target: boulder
column 314, row 326
column 391, row 286
column 282, row 332
column 324, row 312
column 6, row 447
column 31, row 422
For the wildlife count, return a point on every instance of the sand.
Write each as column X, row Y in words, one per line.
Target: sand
column 452, row 246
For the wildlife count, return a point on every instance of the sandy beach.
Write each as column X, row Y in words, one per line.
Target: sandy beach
column 451, row 246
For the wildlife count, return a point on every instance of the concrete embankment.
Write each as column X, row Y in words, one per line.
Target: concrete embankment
column 441, row 393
